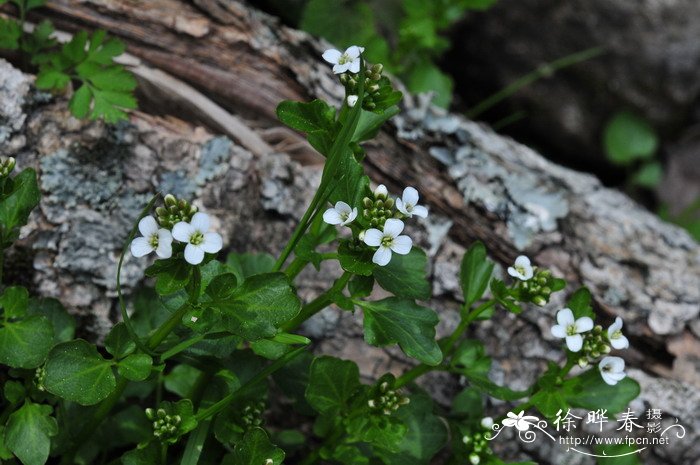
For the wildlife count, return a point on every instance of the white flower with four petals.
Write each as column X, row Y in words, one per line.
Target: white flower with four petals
column 388, row 241
column 155, row 239
column 521, row 269
column 341, row 214
column 344, row 61
column 408, row 204
column 197, row 237
column 612, row 369
column 570, row 329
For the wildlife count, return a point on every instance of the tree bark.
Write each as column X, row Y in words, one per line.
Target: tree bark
column 478, row 185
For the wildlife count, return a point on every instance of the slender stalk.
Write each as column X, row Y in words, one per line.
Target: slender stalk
column 295, row 267
column 318, row 304
column 447, row 345
column 167, row 327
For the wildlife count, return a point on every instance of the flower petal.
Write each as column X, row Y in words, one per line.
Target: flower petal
column 332, row 56
column 583, row 324
column 574, row 343
column 522, row 261
column 331, row 216
column 402, row 208
column 182, row 231
column 352, row 100
column 617, row 364
column 612, row 381
column 165, row 249
column 393, row 227
column 212, row 242
column 381, row 191
column 194, row 254
column 514, row 273
column 402, row 245
column 342, row 207
column 354, row 51
column 620, row 343
column 200, row 222
column 382, row 256
column 373, row 237
column 559, row 331
column 529, row 272
column 565, row 317
column 420, row 210
column 148, row 226
column 354, row 66
column 338, row 69
column 410, row 196
column 140, row 247
column 353, row 215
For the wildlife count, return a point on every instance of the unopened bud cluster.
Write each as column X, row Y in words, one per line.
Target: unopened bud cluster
column 595, row 344
column 173, row 211
column 538, row 289
column 39, row 377
column 387, row 400
column 165, row 427
column 253, row 415
column 476, row 443
column 372, row 76
column 378, row 208
column 7, row 164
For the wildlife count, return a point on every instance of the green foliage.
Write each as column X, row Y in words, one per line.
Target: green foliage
column 475, row 273
column 628, row 138
column 103, row 88
column 406, row 275
column 332, row 382
column 28, row 433
column 18, row 198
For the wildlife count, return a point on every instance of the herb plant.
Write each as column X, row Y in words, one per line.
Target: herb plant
column 102, row 88
column 199, row 368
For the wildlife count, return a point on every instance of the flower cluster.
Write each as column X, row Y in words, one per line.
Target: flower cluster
column 476, row 442
column 534, row 284
column 591, row 342
column 253, row 415
column 164, row 426
column 190, row 229
column 386, row 401
column 7, row 164
column 384, row 217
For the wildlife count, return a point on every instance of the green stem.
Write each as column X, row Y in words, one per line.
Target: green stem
column 261, row 376
column 318, row 304
column 447, row 345
column 295, row 267
column 184, row 345
column 167, row 327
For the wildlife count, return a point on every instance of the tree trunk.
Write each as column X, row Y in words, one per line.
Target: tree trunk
column 225, row 65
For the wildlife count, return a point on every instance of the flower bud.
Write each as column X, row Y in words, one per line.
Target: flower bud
column 352, row 100
column 487, row 422
column 381, row 192
column 474, row 458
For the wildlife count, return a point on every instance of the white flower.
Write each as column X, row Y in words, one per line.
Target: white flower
column 198, row 239
column 341, row 214
column 617, row 339
column 388, row 241
column 522, row 423
column 487, row 422
column 154, row 239
column 352, row 100
column 569, row 329
column 346, row 61
column 408, row 204
column 522, row 269
column 612, row 369
column 381, row 191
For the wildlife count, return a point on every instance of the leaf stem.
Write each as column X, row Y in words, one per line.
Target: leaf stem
column 295, row 267
column 447, row 345
column 318, row 304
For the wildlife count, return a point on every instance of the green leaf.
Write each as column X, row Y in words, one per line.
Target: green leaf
column 76, row 371
column 406, row 275
column 63, row 323
column 79, row 104
column 469, row 404
column 426, row 434
column 350, row 183
column 649, row 175
column 222, row 286
column 355, row 261
column 171, row 275
column 342, row 23
column 332, row 382
column 628, row 137
column 395, row 320
column 25, row 343
column 135, row 367
column 142, row 456
column 14, row 302
column 315, row 118
column 28, row 433
column 360, row 286
column 10, row 33
column 16, row 206
column 256, row 449
column 118, row 342
column 51, row 79
column 181, row 379
column 503, row 296
column 589, row 391
column 378, row 430
column 14, row 391
column 580, row 304
column 475, row 273
column 259, row 306
column 249, row 264
column 425, row 76
column 370, row 123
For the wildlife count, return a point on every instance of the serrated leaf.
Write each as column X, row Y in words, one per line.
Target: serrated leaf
column 76, row 371
column 75, row 49
column 394, row 320
column 10, row 33
column 28, row 433
column 332, row 382
column 475, row 273
column 406, row 275
column 25, row 343
column 260, row 305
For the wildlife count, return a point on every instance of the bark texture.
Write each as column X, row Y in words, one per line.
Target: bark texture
column 479, row 185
